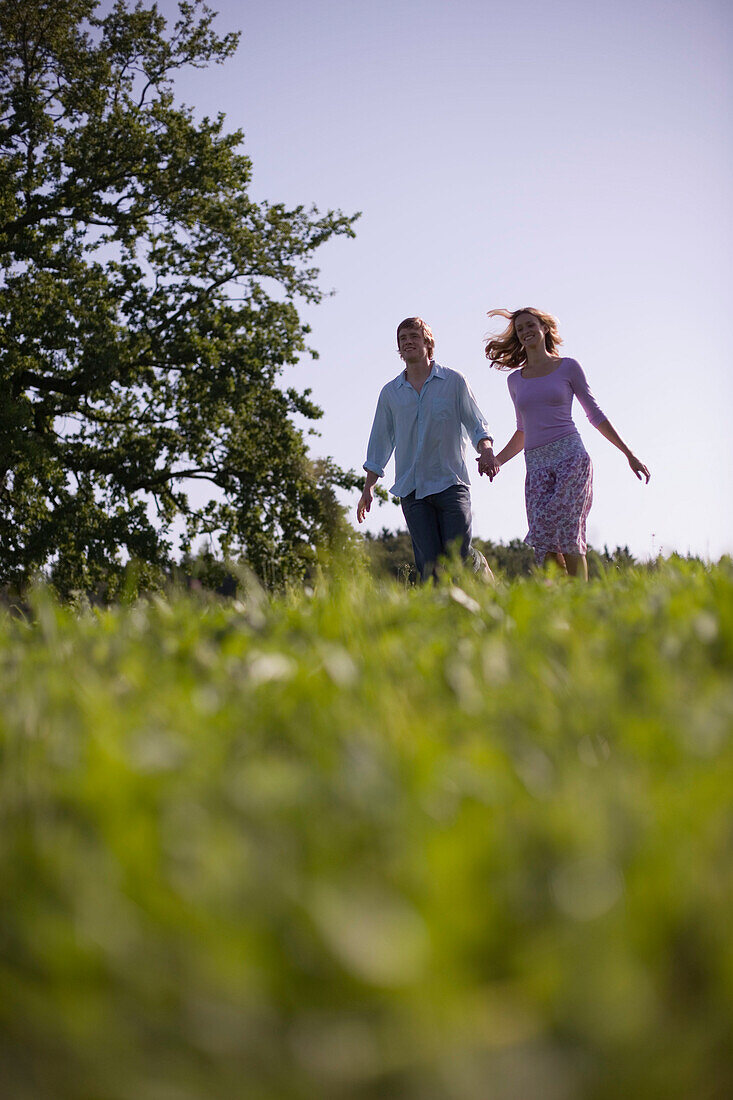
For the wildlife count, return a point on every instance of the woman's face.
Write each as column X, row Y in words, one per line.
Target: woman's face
column 530, row 330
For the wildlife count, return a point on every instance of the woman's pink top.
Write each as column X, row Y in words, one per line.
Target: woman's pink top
column 543, row 405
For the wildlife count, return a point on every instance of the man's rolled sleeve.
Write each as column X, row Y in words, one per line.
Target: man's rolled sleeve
column 381, row 439
column 472, row 417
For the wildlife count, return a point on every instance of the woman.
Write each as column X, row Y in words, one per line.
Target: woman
column 559, row 484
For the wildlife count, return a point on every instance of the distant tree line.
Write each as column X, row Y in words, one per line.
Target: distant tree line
column 390, row 555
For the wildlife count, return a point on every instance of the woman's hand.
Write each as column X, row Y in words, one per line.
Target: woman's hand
column 639, row 468
column 607, row 430
column 487, row 464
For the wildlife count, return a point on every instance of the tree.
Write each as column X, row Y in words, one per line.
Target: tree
column 147, row 308
column 508, row 560
column 390, row 554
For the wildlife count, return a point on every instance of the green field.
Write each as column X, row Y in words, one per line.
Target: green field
column 371, row 841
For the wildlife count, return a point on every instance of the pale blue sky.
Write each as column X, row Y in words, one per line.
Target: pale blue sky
column 565, row 155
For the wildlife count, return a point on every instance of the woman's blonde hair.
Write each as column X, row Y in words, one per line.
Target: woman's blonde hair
column 506, row 351
column 422, row 327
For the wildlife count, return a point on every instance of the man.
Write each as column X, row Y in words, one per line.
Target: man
column 425, row 415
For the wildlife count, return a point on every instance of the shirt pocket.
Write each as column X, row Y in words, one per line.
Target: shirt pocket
column 443, row 407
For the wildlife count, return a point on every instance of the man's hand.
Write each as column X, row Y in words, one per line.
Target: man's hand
column 365, row 503
column 487, row 463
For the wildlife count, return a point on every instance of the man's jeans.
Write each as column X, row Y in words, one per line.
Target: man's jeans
column 437, row 523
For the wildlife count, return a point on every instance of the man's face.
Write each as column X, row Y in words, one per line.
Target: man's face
column 411, row 343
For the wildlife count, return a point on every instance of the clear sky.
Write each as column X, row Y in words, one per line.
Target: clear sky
column 569, row 155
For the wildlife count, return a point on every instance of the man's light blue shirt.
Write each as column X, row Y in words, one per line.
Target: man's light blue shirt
column 428, row 432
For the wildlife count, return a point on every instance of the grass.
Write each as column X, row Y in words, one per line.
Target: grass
column 369, row 842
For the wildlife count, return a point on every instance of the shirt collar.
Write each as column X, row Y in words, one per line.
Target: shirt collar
column 436, row 371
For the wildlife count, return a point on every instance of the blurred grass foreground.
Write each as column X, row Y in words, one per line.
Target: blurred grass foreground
column 371, row 842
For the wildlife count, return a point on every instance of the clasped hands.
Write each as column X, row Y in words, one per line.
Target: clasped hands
column 487, row 464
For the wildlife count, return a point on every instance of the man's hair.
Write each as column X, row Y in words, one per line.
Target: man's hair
column 423, row 327
column 506, row 351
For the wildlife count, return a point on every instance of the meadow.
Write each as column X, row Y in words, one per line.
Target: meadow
column 367, row 841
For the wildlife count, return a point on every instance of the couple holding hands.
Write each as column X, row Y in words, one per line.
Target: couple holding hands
column 427, row 412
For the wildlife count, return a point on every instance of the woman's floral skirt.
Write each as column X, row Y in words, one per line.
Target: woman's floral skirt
column 558, row 492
